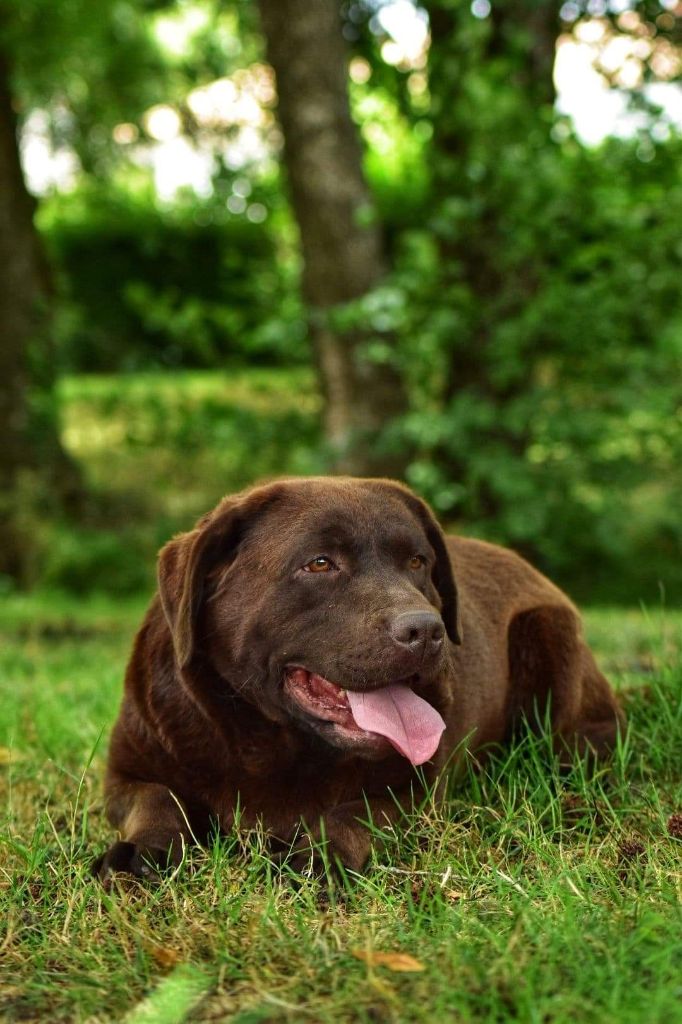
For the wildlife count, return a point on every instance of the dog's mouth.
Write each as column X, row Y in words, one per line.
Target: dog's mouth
column 393, row 712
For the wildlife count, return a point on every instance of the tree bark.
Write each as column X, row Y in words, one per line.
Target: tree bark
column 340, row 238
column 28, row 427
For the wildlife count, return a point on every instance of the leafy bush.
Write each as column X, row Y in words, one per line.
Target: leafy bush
column 84, row 561
column 545, row 377
column 191, row 285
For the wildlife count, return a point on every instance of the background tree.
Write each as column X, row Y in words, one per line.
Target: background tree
column 340, row 238
column 31, row 447
column 54, row 48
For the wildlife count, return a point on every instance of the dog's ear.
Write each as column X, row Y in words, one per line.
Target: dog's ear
column 443, row 577
column 185, row 561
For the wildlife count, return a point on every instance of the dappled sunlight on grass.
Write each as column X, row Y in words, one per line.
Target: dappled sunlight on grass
column 185, row 438
column 160, row 449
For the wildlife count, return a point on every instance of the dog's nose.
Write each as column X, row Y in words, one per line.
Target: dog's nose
column 421, row 633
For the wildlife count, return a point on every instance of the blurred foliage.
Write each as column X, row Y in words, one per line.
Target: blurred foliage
column 86, row 66
column 536, row 298
column 140, row 285
column 158, row 449
column 563, row 434
column 89, row 67
column 534, row 291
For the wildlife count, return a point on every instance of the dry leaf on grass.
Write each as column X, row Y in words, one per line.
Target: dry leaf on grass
column 163, row 956
column 393, row 961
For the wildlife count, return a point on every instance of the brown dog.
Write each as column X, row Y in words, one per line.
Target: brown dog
column 310, row 642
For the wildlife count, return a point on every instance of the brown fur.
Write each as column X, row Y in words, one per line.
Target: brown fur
column 205, row 726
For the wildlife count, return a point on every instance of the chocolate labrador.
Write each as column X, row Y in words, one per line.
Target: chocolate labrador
column 311, row 641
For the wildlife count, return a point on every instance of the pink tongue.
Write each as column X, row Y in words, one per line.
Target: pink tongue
column 396, row 712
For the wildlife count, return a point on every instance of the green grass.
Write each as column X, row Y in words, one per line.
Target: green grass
column 531, row 897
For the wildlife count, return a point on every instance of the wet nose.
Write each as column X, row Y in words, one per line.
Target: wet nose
column 421, row 633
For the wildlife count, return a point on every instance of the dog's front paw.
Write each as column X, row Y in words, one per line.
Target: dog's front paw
column 336, row 843
column 141, row 860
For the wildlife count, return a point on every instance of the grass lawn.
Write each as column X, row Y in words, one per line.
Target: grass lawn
column 531, row 897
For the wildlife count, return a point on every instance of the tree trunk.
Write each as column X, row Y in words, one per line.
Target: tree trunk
column 30, row 441
column 340, row 238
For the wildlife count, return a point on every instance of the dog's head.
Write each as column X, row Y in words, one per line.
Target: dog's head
column 327, row 600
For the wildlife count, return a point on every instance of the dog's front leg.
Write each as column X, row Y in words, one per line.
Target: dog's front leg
column 343, row 835
column 153, row 830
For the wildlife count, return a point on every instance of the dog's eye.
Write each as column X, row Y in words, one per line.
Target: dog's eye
column 416, row 562
column 319, row 564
